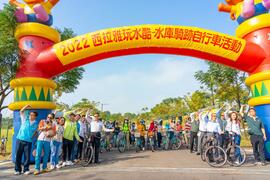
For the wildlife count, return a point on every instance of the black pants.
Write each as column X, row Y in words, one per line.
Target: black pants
column 22, row 148
column 258, row 147
column 223, row 140
column 159, row 139
column 193, row 138
column 80, row 148
column 67, row 149
column 96, row 144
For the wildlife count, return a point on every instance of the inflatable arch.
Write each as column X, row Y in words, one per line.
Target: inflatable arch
column 47, row 57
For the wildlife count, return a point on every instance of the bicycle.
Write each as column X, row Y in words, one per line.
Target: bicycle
column 215, row 156
column 88, row 151
column 105, row 144
column 182, row 139
column 236, row 155
column 151, row 138
column 122, row 142
column 175, row 142
column 204, row 145
column 165, row 141
column 138, row 142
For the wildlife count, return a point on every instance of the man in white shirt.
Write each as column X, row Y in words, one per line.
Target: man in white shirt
column 96, row 127
column 213, row 126
column 203, row 117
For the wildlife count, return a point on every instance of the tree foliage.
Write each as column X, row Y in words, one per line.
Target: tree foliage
column 10, row 55
column 224, row 84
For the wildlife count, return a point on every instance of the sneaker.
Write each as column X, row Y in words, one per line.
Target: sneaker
column 263, row 164
column 76, row 161
column 36, row 172
column 45, row 170
column 17, row 173
column 64, row 164
column 58, row 166
column 52, row 167
column 237, row 163
column 198, row 153
column 27, row 173
column 143, row 149
column 69, row 163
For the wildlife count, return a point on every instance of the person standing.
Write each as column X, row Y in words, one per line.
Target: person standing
column 70, row 131
column 159, row 132
column 56, row 143
column 203, row 118
column 25, row 135
column 141, row 128
column 82, row 132
column 222, row 118
column 116, row 133
column 96, row 127
column 234, row 131
column 186, row 131
column 194, row 133
column 126, row 131
column 257, row 134
column 47, row 130
column 74, row 157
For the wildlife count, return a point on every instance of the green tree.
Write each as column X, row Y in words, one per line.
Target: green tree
column 224, row 84
column 10, row 55
column 84, row 105
column 197, row 100
column 9, row 52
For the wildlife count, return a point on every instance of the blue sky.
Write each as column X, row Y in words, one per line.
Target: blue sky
column 132, row 82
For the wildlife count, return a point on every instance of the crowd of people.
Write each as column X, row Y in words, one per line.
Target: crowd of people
column 67, row 134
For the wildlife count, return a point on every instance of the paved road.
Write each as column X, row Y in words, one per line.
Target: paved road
column 147, row 166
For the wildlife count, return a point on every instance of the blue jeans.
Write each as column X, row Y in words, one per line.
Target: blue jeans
column 74, row 150
column 237, row 141
column 45, row 146
column 22, row 148
column 55, row 147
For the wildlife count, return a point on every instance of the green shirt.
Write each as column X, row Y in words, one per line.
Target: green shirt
column 255, row 126
column 195, row 126
column 70, row 130
column 125, row 127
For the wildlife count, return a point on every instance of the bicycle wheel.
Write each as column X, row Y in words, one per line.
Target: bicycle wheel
column 138, row 145
column 102, row 146
column 176, row 144
column 203, row 149
column 236, row 155
column 152, row 145
column 87, row 156
column 121, row 145
column 215, row 156
column 165, row 143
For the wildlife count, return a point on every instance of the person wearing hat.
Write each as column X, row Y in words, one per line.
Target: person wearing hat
column 70, row 131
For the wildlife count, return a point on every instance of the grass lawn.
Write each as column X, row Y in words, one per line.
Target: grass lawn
column 9, row 142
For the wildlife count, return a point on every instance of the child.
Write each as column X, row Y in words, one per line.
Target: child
column 56, row 143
